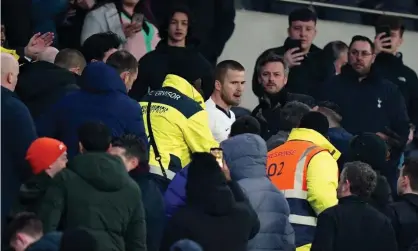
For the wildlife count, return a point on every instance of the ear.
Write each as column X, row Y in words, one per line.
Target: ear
column 373, row 58
column 218, row 85
column 124, row 76
column 400, row 41
column 9, row 77
column 135, row 162
column 285, row 80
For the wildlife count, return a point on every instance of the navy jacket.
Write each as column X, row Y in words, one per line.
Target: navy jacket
column 102, row 97
column 17, row 133
column 371, row 105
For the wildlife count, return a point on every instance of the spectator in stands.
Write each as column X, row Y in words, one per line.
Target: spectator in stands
column 300, row 61
column 404, row 213
column 177, row 122
column 95, row 192
column 214, row 23
column 353, row 224
column 26, row 233
column 125, row 19
column 175, row 196
column 334, row 57
column 71, row 60
column 37, row 44
column 99, row 46
column 290, row 116
column 18, row 132
column 390, row 65
column 229, row 86
column 69, row 26
column 311, row 177
column 246, row 156
column 372, row 150
column 217, row 214
column 245, row 124
column 41, row 84
column 134, row 154
column 269, row 81
column 379, row 106
column 338, row 136
column 78, row 239
column 175, row 32
column 47, row 157
column 103, row 96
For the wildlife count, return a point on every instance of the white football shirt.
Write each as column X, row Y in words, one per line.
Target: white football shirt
column 220, row 120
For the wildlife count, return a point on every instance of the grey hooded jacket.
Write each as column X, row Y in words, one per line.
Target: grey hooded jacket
column 246, row 157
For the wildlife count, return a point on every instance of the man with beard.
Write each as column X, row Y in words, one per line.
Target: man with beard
column 368, row 102
column 272, row 75
column 229, row 85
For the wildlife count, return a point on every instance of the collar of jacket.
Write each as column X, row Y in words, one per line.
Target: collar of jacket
column 348, row 72
column 181, row 85
column 273, row 101
column 6, row 91
column 351, row 199
column 314, row 137
column 411, row 198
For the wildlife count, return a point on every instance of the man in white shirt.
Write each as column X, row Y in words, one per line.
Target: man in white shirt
column 229, row 85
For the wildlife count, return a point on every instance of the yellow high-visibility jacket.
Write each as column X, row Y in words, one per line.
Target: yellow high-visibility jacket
column 179, row 123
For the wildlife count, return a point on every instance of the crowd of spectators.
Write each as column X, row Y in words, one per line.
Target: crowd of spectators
column 121, row 131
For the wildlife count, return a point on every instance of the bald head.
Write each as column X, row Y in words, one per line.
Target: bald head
column 48, row 54
column 9, row 71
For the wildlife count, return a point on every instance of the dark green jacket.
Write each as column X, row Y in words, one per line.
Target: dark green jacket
column 31, row 193
column 96, row 192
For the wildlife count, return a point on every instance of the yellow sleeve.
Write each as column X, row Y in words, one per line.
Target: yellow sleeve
column 11, row 52
column 197, row 133
column 322, row 182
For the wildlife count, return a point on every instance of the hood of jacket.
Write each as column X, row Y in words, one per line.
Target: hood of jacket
column 316, row 138
column 339, row 133
column 47, row 78
column 181, row 85
column 206, row 187
column 101, row 170
column 411, row 199
column 49, row 242
column 34, row 188
column 246, row 156
column 99, row 77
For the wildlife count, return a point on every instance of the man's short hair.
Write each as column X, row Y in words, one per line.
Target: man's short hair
column 394, row 23
column 302, row 14
column 70, row 58
column 357, row 38
column 133, row 145
column 222, row 68
column 95, row 136
column 95, row 47
column 24, row 222
column 245, row 124
column 122, row 61
column 334, row 49
column 291, row 114
column 315, row 121
column 362, row 178
column 411, row 170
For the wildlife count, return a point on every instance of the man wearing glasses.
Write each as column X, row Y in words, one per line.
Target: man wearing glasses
column 368, row 102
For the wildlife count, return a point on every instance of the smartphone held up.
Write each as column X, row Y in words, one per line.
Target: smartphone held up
column 386, row 31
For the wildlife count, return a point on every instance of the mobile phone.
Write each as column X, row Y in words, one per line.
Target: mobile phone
column 293, row 43
column 219, row 155
column 386, row 30
column 137, row 18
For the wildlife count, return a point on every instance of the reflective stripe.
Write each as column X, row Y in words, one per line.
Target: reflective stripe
column 302, row 220
column 300, row 168
column 157, row 170
column 295, row 194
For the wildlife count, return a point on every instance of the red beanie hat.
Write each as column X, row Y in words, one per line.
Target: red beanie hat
column 43, row 152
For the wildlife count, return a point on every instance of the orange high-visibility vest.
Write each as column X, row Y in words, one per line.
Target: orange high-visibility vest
column 287, row 167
